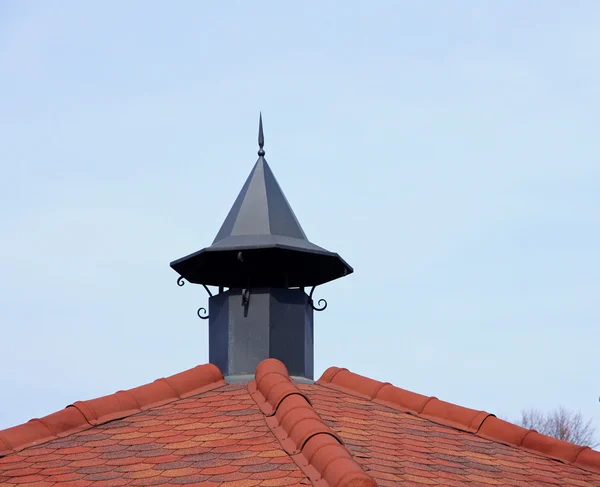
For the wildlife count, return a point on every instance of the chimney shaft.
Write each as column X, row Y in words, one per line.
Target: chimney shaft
column 244, row 329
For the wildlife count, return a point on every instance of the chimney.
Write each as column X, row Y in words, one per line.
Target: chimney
column 261, row 262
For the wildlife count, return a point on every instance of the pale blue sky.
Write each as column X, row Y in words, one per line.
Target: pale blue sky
column 449, row 151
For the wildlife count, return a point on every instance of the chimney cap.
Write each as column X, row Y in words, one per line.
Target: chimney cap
column 261, row 242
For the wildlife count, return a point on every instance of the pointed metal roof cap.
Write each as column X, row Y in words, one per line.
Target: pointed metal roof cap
column 261, row 242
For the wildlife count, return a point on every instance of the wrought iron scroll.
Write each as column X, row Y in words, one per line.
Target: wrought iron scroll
column 322, row 303
column 202, row 313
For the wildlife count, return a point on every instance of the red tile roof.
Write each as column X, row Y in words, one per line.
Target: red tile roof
column 85, row 414
column 483, row 424
column 344, row 430
column 400, row 436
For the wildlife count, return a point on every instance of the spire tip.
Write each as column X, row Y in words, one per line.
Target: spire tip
column 261, row 137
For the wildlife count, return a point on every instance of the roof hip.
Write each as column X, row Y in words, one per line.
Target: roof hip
column 316, row 448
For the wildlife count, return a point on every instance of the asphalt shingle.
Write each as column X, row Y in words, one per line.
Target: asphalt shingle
column 344, row 430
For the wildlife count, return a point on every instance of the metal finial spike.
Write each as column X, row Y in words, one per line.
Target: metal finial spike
column 261, row 137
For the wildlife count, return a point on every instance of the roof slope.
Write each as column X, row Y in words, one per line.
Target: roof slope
column 400, row 436
column 345, row 430
column 188, row 429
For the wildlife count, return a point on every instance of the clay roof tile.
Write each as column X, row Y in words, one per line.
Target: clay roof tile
column 299, row 427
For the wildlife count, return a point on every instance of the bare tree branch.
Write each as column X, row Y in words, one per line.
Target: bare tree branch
column 562, row 424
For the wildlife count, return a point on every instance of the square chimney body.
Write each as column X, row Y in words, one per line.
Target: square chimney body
column 275, row 322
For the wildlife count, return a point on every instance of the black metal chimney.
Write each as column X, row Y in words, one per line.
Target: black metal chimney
column 261, row 262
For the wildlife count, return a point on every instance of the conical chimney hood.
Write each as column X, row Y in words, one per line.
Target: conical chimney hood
column 261, row 242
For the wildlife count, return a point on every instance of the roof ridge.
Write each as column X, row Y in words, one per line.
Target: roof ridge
column 83, row 415
column 317, row 450
column 480, row 423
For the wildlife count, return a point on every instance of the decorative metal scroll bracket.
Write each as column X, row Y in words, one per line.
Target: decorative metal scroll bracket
column 322, row 303
column 202, row 313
